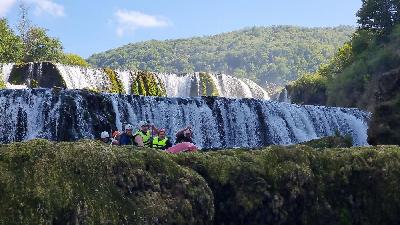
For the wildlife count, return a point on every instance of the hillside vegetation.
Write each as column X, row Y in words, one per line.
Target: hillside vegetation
column 274, row 54
column 364, row 73
column 86, row 182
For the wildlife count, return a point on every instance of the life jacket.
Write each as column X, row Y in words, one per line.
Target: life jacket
column 145, row 136
column 159, row 144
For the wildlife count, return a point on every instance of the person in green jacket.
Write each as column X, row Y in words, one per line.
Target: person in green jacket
column 161, row 141
column 142, row 137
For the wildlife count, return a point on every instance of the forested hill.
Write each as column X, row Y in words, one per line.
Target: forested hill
column 274, row 54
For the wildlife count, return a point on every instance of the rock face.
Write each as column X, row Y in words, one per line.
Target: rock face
column 67, row 115
column 385, row 105
column 36, row 75
column 86, row 182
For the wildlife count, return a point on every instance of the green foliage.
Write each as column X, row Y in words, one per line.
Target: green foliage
column 351, row 86
column 33, row 44
column 379, row 15
column 34, row 83
column 2, row 83
column 42, row 47
column 274, row 54
column 345, row 80
column 309, row 89
column 11, row 46
column 208, row 87
column 74, row 60
column 146, row 84
column 116, row 85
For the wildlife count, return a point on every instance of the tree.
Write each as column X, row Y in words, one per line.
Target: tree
column 42, row 47
column 37, row 45
column 24, row 24
column 379, row 15
column 73, row 59
column 11, row 46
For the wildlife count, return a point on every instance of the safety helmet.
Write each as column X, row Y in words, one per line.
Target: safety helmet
column 104, row 134
column 142, row 123
column 162, row 130
column 128, row 127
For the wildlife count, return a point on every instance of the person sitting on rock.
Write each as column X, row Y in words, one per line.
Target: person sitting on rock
column 127, row 138
column 142, row 137
column 105, row 137
column 184, row 135
column 161, row 141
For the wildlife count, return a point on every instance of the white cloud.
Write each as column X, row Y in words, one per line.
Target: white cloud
column 132, row 20
column 47, row 7
column 5, row 5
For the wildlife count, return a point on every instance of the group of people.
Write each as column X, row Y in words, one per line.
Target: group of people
column 146, row 135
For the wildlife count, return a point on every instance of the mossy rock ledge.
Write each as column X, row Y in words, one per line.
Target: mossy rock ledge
column 86, row 182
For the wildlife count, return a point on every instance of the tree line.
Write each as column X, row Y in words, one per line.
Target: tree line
column 264, row 54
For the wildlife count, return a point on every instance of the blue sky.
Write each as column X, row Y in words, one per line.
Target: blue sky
column 88, row 26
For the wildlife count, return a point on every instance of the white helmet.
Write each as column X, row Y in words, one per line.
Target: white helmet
column 104, row 134
column 141, row 124
column 128, row 127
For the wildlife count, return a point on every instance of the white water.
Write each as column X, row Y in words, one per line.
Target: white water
column 126, row 80
column 6, row 70
column 175, row 85
column 84, row 78
column 216, row 122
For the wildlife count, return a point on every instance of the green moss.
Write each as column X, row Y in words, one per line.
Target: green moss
column 299, row 185
column 90, row 183
column 309, row 89
column 2, row 83
column 336, row 141
column 34, row 83
column 116, row 85
column 87, row 182
column 146, row 84
column 208, row 87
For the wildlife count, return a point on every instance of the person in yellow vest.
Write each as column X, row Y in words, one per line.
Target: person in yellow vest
column 142, row 137
column 161, row 141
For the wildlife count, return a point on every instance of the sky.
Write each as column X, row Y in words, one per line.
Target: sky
column 86, row 27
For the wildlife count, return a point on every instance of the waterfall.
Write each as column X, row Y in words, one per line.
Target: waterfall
column 66, row 115
column 84, row 78
column 185, row 85
column 226, row 86
column 6, row 71
column 256, row 90
column 175, row 85
column 126, row 79
column 284, row 97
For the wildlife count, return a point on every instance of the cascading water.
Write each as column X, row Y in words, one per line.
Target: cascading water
column 6, row 71
column 126, row 79
column 175, row 85
column 217, row 122
column 80, row 78
column 187, row 85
